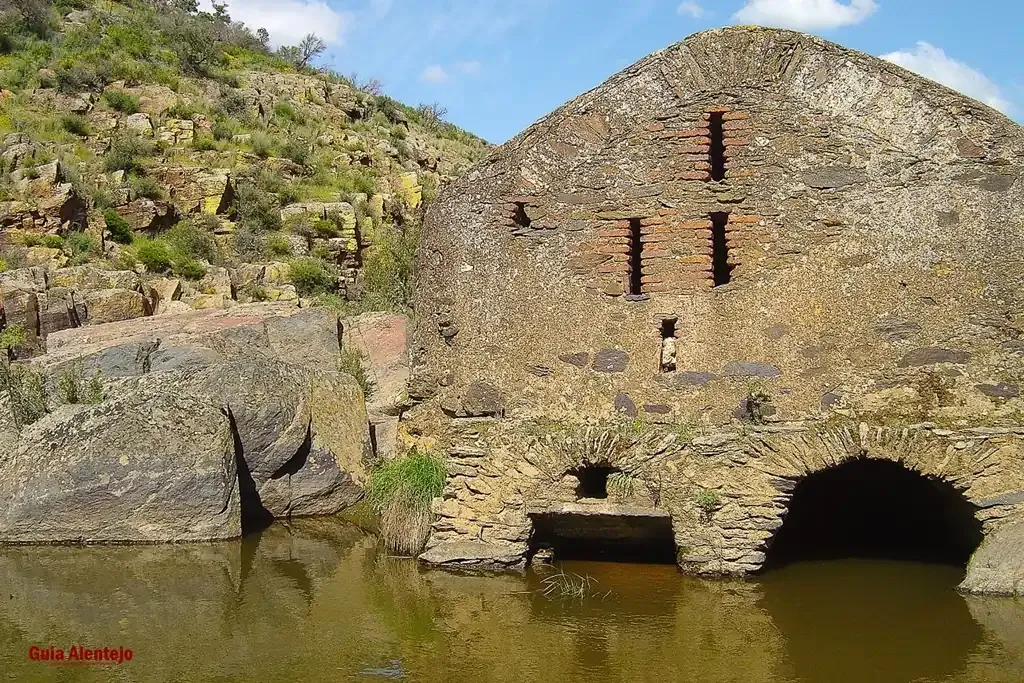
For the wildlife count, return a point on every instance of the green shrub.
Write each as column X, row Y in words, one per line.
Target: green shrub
column 188, row 268
column 154, row 254
column 193, row 238
column 325, row 227
column 53, row 241
column 75, row 124
column 352, row 363
column 126, row 154
column 3, row 265
column 26, row 393
column 262, row 145
column 118, row 100
column 231, row 101
column 257, row 209
column 12, row 337
column 388, row 269
column 248, row 244
column 182, row 109
column 203, row 143
column 119, row 229
column 296, row 150
column 401, row 491
column 278, row 245
column 708, row 501
column 31, row 239
column 288, row 113
column 224, row 130
column 288, row 194
column 76, row 77
column 311, row 276
column 144, row 186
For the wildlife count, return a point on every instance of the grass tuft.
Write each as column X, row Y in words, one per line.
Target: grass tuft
column 401, row 491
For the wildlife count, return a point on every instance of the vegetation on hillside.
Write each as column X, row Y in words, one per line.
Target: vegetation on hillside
column 72, row 72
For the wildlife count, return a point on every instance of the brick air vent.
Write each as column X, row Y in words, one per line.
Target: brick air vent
column 721, row 267
column 716, row 153
column 636, row 250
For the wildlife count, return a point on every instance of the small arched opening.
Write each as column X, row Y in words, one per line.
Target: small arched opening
column 876, row 509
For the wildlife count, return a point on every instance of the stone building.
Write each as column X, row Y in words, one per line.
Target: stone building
column 753, row 266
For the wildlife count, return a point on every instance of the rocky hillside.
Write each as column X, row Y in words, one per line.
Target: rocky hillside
column 157, row 159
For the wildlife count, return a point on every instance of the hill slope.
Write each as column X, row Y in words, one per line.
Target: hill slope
column 155, row 158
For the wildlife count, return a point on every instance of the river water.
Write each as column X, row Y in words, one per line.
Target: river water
column 318, row 601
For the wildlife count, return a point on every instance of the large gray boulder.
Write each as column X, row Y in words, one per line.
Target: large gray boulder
column 148, row 464
column 997, row 567
column 291, row 430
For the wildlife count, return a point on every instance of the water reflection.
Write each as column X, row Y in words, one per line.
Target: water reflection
column 318, row 601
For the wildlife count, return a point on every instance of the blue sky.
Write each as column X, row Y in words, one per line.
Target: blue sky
column 499, row 66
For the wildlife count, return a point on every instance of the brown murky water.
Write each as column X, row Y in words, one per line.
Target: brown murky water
column 317, row 601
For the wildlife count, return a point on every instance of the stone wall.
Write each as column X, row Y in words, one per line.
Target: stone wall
column 750, row 224
column 504, row 471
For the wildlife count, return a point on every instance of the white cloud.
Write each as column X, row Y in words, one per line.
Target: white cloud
column 289, row 20
column 469, row 68
column 691, row 8
column 434, row 74
column 932, row 62
column 806, row 15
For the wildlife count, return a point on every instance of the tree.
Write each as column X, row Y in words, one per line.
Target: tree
column 188, row 6
column 263, row 36
column 433, row 114
column 311, row 46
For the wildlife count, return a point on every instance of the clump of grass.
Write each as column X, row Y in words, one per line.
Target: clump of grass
column 758, row 403
column 708, row 501
column 278, row 245
column 400, row 491
column 75, row 124
column 11, row 338
column 119, row 229
column 73, row 388
column 127, row 154
column 570, row 586
column 154, row 254
column 311, row 276
column 26, row 393
column 352, row 363
column 144, row 186
column 121, row 101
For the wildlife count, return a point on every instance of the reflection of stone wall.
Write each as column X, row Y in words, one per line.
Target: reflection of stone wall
column 500, row 476
column 320, row 601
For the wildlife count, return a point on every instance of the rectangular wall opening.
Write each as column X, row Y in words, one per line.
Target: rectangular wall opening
column 519, row 216
column 636, row 260
column 604, row 537
column 721, row 270
column 668, row 345
column 717, row 153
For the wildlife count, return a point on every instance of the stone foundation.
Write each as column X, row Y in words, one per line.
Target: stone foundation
column 726, row 491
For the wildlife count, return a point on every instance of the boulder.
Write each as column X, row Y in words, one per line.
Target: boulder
column 150, row 463
column 112, row 305
column 382, row 339
column 997, row 566
column 163, row 291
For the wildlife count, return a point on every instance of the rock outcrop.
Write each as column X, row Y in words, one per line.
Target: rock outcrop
column 211, row 422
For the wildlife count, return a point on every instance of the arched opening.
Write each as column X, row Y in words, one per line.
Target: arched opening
column 876, row 509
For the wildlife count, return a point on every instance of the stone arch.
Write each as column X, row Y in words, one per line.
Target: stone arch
column 875, row 507
column 759, row 473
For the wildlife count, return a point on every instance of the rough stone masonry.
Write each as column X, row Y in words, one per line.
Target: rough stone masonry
column 746, row 258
